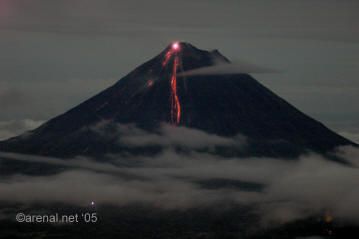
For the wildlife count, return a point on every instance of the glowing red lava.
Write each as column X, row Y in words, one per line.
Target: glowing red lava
column 150, row 83
column 167, row 58
column 175, row 47
column 175, row 102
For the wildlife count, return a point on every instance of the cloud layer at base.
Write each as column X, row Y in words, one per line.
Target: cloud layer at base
column 292, row 189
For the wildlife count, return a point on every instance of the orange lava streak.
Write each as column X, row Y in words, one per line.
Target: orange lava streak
column 167, row 58
column 175, row 103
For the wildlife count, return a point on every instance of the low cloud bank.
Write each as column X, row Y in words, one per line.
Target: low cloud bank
column 167, row 136
column 292, row 189
column 15, row 127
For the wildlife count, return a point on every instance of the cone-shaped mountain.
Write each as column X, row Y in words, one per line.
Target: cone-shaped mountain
column 224, row 105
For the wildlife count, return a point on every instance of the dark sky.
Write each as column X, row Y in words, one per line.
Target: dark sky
column 55, row 54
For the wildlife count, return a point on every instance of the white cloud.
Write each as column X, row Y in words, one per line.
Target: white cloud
column 166, row 135
column 354, row 136
column 15, row 127
column 293, row 189
column 237, row 67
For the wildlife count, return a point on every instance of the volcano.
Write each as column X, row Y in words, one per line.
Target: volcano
column 155, row 93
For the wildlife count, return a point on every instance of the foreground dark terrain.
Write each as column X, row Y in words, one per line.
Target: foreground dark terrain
column 141, row 222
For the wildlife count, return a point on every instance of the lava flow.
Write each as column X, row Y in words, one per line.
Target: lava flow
column 175, row 103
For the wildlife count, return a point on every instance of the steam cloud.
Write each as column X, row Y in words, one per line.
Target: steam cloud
column 238, row 67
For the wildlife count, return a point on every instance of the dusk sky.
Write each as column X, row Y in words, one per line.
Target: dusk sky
column 55, row 54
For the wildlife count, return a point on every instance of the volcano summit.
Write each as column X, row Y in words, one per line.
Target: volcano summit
column 154, row 94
